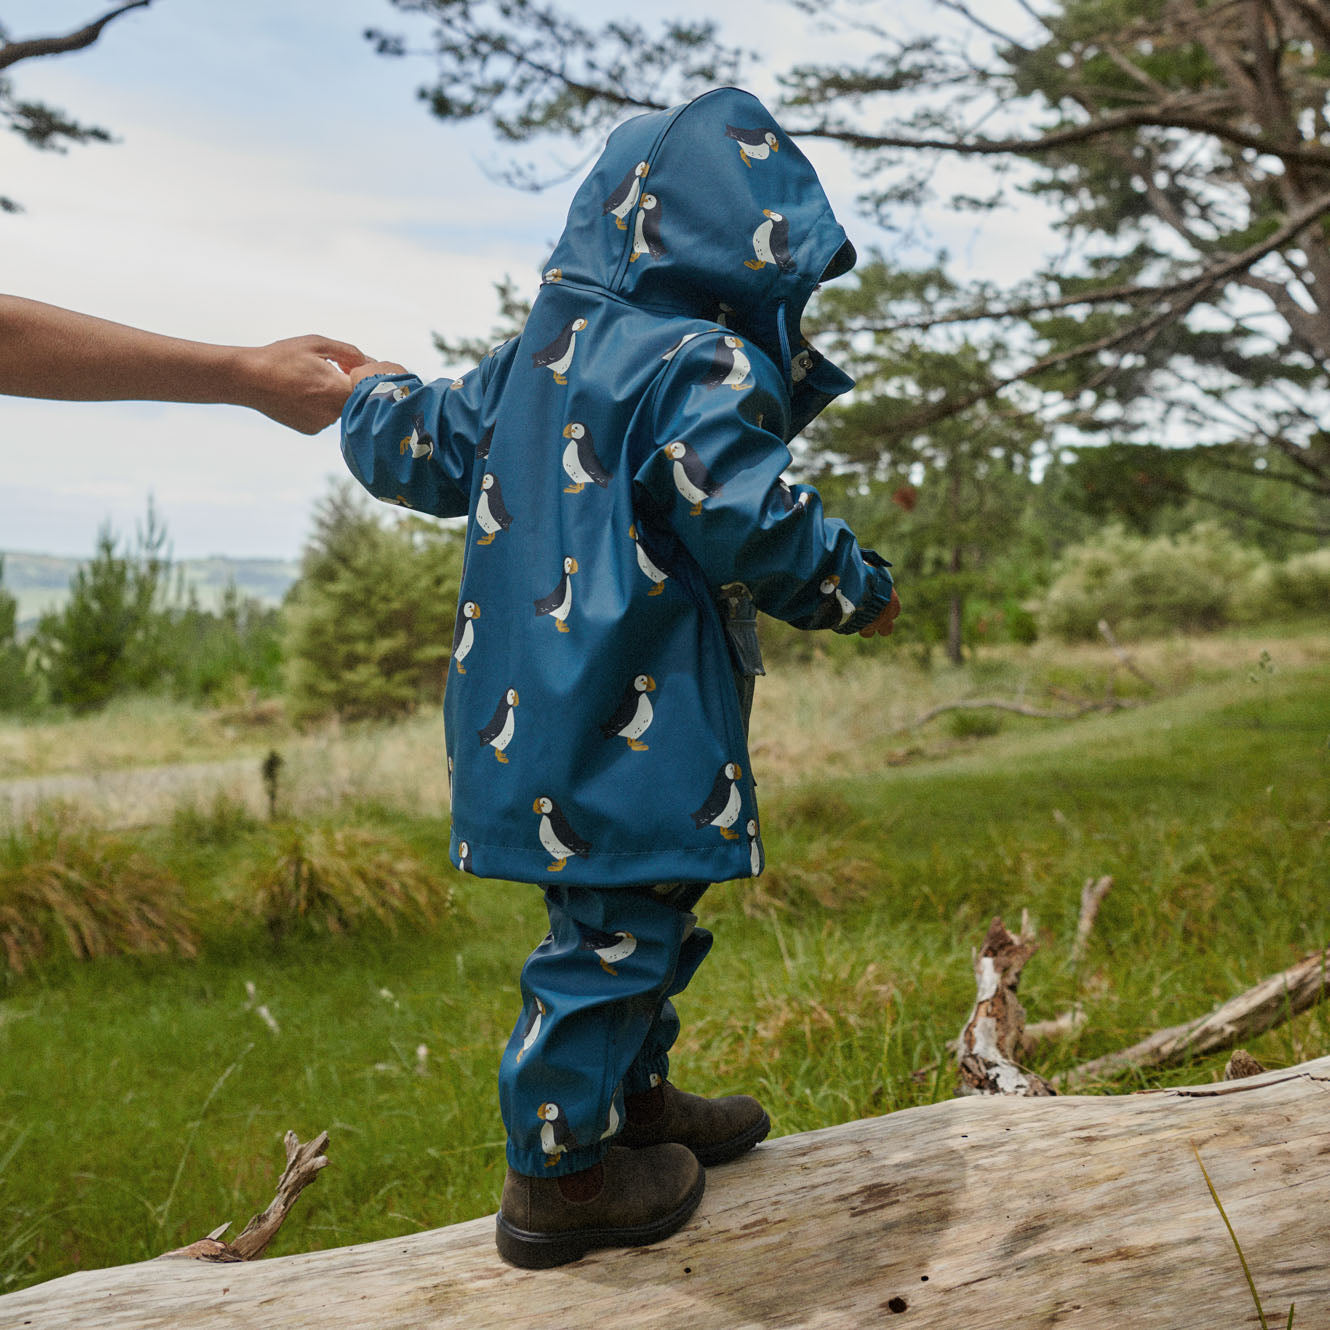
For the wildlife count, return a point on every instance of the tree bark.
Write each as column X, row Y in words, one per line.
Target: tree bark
column 1074, row 1212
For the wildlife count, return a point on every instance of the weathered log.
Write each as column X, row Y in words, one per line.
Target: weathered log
column 1076, row 1212
column 1274, row 1000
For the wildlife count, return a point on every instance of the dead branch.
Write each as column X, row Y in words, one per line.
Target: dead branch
column 1043, row 1032
column 12, row 52
column 1124, row 656
column 1092, row 897
column 1271, row 1002
column 303, row 1164
column 990, row 1038
column 1017, row 708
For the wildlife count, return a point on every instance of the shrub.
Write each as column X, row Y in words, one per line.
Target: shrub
column 1198, row 580
column 89, row 893
column 1301, row 584
column 336, row 880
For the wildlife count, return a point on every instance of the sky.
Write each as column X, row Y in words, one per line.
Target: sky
column 273, row 176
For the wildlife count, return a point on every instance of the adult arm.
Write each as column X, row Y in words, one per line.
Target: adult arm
column 46, row 351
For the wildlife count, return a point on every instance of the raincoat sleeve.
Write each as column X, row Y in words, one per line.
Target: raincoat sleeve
column 414, row 443
column 714, row 477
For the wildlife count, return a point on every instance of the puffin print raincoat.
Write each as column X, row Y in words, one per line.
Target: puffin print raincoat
column 620, row 463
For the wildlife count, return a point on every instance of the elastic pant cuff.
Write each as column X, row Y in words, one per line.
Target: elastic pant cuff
column 639, row 1077
column 535, row 1164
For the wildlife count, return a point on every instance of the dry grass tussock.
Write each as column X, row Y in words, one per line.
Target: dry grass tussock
column 89, row 894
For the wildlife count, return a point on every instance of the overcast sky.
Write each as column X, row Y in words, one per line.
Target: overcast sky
column 273, row 176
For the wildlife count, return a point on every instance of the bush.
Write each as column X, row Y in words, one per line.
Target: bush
column 1198, row 580
column 337, row 880
column 1300, row 585
column 87, row 893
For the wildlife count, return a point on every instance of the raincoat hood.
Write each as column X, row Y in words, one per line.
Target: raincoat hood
column 743, row 248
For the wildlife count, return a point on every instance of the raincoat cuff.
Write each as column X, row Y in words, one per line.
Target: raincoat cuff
column 879, row 597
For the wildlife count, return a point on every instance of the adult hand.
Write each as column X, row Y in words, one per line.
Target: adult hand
column 300, row 382
column 363, row 371
column 886, row 621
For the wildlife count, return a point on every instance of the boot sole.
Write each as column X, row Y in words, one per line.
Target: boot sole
column 543, row 1251
column 723, row 1151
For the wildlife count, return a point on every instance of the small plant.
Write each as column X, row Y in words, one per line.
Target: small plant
column 336, row 880
column 89, row 894
column 974, row 724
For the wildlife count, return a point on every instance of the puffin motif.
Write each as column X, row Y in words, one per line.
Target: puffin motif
column 790, row 501
column 491, row 515
column 558, row 355
column 560, row 600
column 755, row 145
column 499, row 732
column 608, row 947
column 531, row 1028
column 456, row 385
column 633, row 714
column 771, row 243
column 580, row 460
column 721, row 809
column 645, row 564
column 613, row 1124
column 551, row 275
column 394, row 390
column 835, row 600
column 464, row 634
column 483, row 447
column 691, row 478
column 679, row 345
column 556, row 1135
column 464, row 856
column 646, row 230
column 624, row 199
column 556, row 836
column 754, row 847
column 730, row 367
column 420, row 441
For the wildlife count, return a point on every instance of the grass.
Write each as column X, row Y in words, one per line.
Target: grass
column 144, row 1097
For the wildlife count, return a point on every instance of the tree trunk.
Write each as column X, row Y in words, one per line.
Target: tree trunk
column 1075, row 1212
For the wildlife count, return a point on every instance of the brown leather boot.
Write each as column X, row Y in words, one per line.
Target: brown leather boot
column 715, row 1130
column 630, row 1199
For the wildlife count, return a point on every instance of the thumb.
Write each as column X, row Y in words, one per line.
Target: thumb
column 343, row 354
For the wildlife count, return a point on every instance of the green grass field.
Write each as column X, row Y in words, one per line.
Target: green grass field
column 143, row 1099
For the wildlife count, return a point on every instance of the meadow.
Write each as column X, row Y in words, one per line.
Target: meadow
column 143, row 1097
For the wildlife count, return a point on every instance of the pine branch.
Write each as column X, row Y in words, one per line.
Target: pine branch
column 12, row 52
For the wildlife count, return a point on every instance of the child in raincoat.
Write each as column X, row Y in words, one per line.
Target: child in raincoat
column 620, row 463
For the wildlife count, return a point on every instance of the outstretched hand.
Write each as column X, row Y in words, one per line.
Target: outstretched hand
column 886, row 621
column 301, row 382
column 369, row 367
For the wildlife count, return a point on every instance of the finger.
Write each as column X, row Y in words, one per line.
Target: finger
column 342, row 353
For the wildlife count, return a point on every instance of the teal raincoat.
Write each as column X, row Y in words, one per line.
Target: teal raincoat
column 620, row 463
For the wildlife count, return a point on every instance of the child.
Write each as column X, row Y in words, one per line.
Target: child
column 620, row 463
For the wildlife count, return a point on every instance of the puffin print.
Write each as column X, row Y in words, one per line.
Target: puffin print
column 730, row 367
column 483, row 447
column 464, row 856
column 499, row 732
column 558, row 355
column 609, row 948
column 613, row 1124
column 792, row 502
column 644, row 563
column 679, row 345
column 560, row 600
column 691, row 478
column 624, row 198
column 721, row 809
column 394, row 390
column 836, row 601
column 755, row 145
column 531, row 1028
column 551, row 275
column 580, row 460
column 464, row 634
column 456, row 385
column 419, row 440
column 556, row 1135
column 771, row 243
column 633, row 715
column 491, row 515
column 754, row 847
column 556, row 835
column 646, row 230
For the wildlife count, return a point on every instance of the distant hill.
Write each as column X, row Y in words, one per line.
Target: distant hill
column 40, row 582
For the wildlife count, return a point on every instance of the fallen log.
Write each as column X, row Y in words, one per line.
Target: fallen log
column 1002, row 1213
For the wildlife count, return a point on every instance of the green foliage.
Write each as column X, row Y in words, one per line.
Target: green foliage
column 370, row 621
column 1301, row 585
column 1193, row 582
column 338, row 880
column 85, row 893
column 18, row 690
